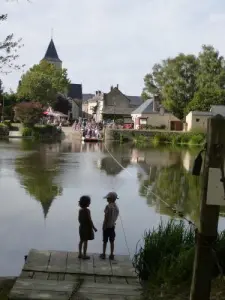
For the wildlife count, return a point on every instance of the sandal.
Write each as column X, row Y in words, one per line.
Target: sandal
column 102, row 256
column 111, row 257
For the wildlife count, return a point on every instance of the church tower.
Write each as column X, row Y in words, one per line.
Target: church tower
column 51, row 55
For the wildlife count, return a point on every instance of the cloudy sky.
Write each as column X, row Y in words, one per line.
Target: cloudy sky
column 109, row 42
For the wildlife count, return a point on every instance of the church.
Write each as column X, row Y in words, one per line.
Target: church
column 74, row 94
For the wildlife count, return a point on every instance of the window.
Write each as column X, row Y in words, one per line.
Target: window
column 143, row 121
column 197, row 120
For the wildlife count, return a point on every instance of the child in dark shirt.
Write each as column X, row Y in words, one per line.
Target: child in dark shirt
column 87, row 228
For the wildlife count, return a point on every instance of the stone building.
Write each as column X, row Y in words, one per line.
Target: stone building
column 116, row 105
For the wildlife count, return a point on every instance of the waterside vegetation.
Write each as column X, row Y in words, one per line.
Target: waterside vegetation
column 164, row 262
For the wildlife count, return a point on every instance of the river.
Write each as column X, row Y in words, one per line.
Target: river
column 41, row 184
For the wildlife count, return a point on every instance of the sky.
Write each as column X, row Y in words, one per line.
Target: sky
column 108, row 42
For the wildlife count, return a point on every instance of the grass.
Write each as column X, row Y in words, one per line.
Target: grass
column 190, row 139
column 165, row 261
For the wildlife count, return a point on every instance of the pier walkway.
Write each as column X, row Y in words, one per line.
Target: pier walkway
column 59, row 275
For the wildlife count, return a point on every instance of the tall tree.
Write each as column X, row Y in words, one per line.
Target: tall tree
column 42, row 83
column 174, row 81
column 210, row 80
column 9, row 51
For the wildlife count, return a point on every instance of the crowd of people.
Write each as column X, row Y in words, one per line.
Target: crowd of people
column 89, row 128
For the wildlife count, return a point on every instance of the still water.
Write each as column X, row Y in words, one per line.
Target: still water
column 41, row 184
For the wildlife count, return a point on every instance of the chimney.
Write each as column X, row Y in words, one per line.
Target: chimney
column 117, row 86
column 161, row 110
column 156, row 103
column 111, row 88
column 96, row 93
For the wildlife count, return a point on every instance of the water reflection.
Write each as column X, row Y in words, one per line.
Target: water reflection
column 38, row 171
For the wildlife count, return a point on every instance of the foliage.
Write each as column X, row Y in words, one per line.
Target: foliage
column 9, row 51
column 42, row 83
column 4, row 130
column 28, row 113
column 10, row 99
column 62, row 104
column 41, row 131
column 167, row 254
column 187, row 82
column 210, row 80
column 185, row 138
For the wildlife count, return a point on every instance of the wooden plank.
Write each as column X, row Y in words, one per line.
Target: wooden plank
column 26, row 274
column 122, row 266
column 118, row 280
column 58, row 261
column 132, row 280
column 43, row 285
column 40, row 275
column 109, row 289
column 102, row 279
column 61, row 276
column 37, row 295
column 37, row 260
column 87, row 266
column 73, row 263
column 101, row 267
column 82, row 296
column 52, row 276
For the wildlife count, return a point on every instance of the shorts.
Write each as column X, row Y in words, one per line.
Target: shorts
column 109, row 235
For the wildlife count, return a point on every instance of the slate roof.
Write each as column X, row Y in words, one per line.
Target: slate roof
column 75, row 91
column 147, row 107
column 202, row 113
column 135, row 100
column 51, row 53
column 111, row 110
column 87, row 96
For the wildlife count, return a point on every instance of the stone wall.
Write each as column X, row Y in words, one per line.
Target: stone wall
column 129, row 134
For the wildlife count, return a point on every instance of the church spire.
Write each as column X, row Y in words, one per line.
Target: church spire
column 51, row 54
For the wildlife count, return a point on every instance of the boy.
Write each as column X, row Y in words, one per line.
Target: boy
column 111, row 215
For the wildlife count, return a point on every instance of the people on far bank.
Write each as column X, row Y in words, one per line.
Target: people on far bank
column 87, row 228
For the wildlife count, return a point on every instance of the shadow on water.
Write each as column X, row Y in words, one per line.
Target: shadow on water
column 37, row 172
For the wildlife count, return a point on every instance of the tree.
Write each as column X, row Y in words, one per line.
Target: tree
column 174, row 81
column 28, row 113
column 9, row 51
column 210, row 80
column 42, row 83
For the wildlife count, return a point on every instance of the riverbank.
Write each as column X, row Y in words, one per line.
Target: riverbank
column 145, row 138
column 165, row 262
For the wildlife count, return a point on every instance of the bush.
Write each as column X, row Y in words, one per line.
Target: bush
column 167, row 254
column 28, row 113
column 4, row 130
column 41, row 131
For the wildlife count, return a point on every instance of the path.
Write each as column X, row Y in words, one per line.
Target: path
column 57, row 275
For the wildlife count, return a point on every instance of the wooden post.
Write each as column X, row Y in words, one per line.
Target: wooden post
column 209, row 214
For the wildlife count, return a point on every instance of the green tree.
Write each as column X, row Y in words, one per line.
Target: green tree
column 174, row 80
column 210, row 80
column 9, row 51
column 10, row 100
column 42, row 83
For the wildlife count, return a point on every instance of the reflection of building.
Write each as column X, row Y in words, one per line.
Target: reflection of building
column 154, row 157
column 111, row 167
column 188, row 161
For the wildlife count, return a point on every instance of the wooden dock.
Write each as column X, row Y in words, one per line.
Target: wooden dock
column 57, row 275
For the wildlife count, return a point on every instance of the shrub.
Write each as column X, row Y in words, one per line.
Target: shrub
column 4, row 130
column 7, row 123
column 28, row 113
column 167, row 254
column 40, row 131
column 27, row 131
column 197, row 139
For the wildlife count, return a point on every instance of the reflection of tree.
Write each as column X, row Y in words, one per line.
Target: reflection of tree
column 175, row 186
column 121, row 153
column 37, row 172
